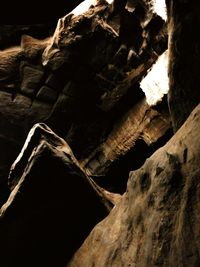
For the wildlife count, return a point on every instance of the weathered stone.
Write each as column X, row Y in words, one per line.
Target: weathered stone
column 31, row 81
column 47, row 94
column 65, row 104
column 140, row 122
column 72, row 89
column 13, row 129
column 157, row 221
column 111, row 99
column 88, row 36
column 42, row 222
column 103, row 84
column 65, row 108
column 17, row 116
column 39, row 111
column 87, row 59
column 120, row 58
column 184, row 59
column 32, row 47
column 9, row 66
column 101, row 111
column 14, row 124
column 153, row 28
column 83, row 50
column 23, row 101
column 78, row 90
column 54, row 82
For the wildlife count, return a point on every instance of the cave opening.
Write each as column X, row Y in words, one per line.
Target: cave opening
column 156, row 83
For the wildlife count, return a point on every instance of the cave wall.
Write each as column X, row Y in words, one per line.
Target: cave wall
column 64, row 81
column 184, row 58
column 155, row 222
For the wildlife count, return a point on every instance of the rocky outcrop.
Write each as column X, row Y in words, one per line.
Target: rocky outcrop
column 83, row 79
column 184, row 59
column 84, row 82
column 52, row 207
column 141, row 124
column 156, row 223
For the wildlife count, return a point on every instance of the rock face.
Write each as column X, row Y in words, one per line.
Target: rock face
column 52, row 207
column 141, row 124
column 184, row 59
column 156, row 223
column 83, row 79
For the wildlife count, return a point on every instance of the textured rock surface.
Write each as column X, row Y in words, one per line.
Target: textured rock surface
column 52, row 207
column 82, row 80
column 141, row 123
column 157, row 221
column 184, row 59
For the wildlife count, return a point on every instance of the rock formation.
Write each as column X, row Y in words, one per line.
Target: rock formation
column 52, row 207
column 64, row 81
column 77, row 87
column 184, row 59
column 156, row 223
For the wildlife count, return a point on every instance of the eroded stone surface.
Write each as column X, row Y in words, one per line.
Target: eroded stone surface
column 156, row 223
column 53, row 205
column 140, row 122
column 83, row 80
column 184, row 48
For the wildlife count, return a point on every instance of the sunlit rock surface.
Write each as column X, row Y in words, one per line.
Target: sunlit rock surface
column 157, row 221
column 141, row 123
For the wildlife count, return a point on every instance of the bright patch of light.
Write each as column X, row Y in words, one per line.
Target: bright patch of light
column 85, row 5
column 109, row 1
column 159, row 7
column 156, row 82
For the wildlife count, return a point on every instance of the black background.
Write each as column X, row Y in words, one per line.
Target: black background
column 34, row 11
